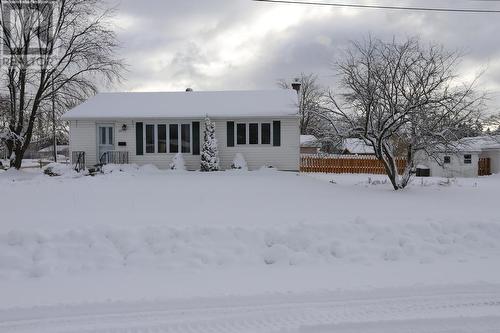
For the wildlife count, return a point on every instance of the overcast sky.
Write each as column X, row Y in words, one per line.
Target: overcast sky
column 240, row 44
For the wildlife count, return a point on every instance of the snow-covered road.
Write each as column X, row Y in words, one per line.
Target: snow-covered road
column 464, row 309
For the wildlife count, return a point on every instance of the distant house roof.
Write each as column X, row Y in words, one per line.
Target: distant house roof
column 478, row 144
column 217, row 104
column 357, row 146
column 49, row 149
column 309, row 141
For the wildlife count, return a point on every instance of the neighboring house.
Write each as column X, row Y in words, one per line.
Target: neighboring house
column 150, row 128
column 472, row 157
column 354, row 146
column 309, row 144
column 48, row 152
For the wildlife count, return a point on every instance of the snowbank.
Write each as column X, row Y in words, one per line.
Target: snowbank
column 35, row 254
column 149, row 221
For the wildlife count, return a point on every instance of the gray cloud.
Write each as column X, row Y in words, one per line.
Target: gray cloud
column 240, row 44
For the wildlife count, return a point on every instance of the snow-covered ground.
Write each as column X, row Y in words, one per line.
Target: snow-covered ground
column 143, row 250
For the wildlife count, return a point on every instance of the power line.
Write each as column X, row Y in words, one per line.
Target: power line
column 422, row 9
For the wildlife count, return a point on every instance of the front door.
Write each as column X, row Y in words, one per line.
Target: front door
column 105, row 137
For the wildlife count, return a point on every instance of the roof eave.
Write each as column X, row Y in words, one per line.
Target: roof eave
column 70, row 118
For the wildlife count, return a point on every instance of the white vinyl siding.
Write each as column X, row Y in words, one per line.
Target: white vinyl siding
column 83, row 137
column 285, row 157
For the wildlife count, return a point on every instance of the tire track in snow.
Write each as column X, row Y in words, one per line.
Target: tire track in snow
column 439, row 313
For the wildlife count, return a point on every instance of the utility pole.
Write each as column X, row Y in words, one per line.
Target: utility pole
column 54, row 122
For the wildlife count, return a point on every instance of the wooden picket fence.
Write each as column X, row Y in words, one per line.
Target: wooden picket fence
column 346, row 164
column 484, row 167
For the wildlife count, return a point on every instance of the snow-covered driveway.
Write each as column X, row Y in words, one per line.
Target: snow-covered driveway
column 152, row 251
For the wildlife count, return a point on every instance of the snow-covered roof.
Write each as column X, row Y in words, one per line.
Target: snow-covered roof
column 309, row 141
column 357, row 146
column 217, row 104
column 51, row 149
column 477, row 144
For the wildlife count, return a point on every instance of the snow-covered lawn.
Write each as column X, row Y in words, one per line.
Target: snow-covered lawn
column 167, row 239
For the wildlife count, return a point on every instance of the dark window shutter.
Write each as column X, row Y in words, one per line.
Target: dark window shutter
column 230, row 133
column 196, row 138
column 276, row 133
column 139, row 139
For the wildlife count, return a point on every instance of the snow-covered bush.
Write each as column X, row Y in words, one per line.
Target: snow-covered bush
column 178, row 163
column 119, row 168
column 149, row 169
column 267, row 168
column 239, row 163
column 58, row 170
column 209, row 153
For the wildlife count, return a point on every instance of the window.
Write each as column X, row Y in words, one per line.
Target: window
column 241, row 134
column 162, row 139
column 102, row 135
column 150, row 139
column 265, row 134
column 447, row 160
column 468, row 159
column 185, row 138
column 174, row 138
column 110, row 135
column 106, row 135
column 253, row 132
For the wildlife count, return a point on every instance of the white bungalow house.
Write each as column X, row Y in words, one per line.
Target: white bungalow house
column 472, row 157
column 152, row 127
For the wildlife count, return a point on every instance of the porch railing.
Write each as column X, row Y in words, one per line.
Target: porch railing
column 78, row 160
column 114, row 157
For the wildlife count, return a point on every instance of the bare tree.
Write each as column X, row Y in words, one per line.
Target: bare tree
column 402, row 97
column 310, row 98
column 493, row 124
column 63, row 48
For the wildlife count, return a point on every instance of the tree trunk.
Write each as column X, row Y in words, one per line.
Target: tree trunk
column 393, row 175
column 391, row 167
column 18, row 160
column 406, row 177
column 10, row 147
